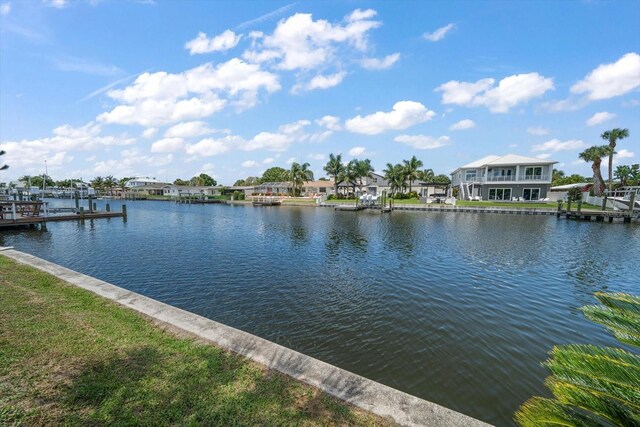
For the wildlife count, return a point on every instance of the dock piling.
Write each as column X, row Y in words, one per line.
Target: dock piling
column 124, row 211
column 107, row 207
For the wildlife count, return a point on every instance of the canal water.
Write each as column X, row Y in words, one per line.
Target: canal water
column 459, row 309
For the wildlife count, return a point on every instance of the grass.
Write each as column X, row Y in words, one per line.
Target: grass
column 68, row 357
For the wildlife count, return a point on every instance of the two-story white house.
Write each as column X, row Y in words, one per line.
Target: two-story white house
column 141, row 182
column 504, row 178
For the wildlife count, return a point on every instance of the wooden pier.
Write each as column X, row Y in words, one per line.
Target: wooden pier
column 266, row 201
column 626, row 216
column 17, row 214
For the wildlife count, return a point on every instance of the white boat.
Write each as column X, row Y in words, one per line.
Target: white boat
column 621, row 198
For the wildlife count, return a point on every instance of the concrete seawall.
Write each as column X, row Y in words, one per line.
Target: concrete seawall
column 364, row 393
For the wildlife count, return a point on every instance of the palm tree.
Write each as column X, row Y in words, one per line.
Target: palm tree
column 97, row 183
column 109, row 183
column 613, row 136
column 426, row 175
column 3, row 167
column 623, row 173
column 595, row 155
column 411, row 167
column 593, row 385
column 362, row 169
column 299, row 174
column 335, row 168
column 395, row 175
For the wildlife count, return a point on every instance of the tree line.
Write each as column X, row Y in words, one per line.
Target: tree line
column 400, row 176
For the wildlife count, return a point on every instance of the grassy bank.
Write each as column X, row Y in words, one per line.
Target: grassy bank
column 68, row 357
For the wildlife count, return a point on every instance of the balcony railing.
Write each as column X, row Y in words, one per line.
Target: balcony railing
column 509, row 178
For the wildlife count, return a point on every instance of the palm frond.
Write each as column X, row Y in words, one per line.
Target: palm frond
column 539, row 412
column 613, row 410
column 603, row 370
column 623, row 324
column 619, row 301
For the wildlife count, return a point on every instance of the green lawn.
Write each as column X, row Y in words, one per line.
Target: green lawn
column 68, row 357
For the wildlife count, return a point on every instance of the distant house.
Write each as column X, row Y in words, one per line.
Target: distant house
column 189, row 190
column 375, row 184
column 142, row 182
column 504, row 178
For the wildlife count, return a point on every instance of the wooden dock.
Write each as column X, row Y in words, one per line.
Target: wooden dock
column 266, row 201
column 19, row 214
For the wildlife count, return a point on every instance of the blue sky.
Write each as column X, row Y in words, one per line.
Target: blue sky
column 171, row 89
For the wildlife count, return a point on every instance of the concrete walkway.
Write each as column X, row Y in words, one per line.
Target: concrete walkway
column 366, row 394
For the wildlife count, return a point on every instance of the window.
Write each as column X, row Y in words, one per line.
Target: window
column 375, row 179
column 322, row 189
column 533, row 172
column 499, row 194
column 470, row 175
column 531, row 194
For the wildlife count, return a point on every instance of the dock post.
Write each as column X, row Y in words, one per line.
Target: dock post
column 579, row 209
column 559, row 208
column 107, row 207
column 124, row 211
column 632, row 204
column 75, row 197
column 14, row 214
column 90, row 203
column 604, row 203
column 95, row 207
column 82, row 212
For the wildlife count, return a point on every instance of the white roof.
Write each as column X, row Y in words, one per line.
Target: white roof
column 508, row 160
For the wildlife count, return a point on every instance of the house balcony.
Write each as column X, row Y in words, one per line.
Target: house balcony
column 509, row 178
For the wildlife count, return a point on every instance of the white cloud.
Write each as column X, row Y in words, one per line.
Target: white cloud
column 357, row 151
column 294, row 128
column 318, row 156
column 463, row 124
column 422, row 142
column 380, row 64
column 160, row 98
column 320, row 82
column 268, row 141
column 201, row 44
column 538, row 130
column 404, row 114
column 512, row 145
column 212, row 146
column 153, row 112
column 543, row 156
column 249, row 163
column 149, row 133
column 189, row 130
column 509, row 92
column 330, row 122
column 624, row 154
column 167, row 145
column 65, row 138
column 86, row 66
column 300, row 43
column 359, row 15
column 5, row 8
column 555, row 145
column 599, row 118
column 268, row 160
column 609, row 80
column 290, row 160
column 438, row 34
column 58, row 4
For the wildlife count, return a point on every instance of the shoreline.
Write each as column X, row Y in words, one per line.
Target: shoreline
column 363, row 393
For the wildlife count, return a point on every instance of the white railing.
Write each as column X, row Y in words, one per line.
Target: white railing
column 509, row 178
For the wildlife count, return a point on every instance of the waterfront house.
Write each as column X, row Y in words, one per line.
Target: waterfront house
column 375, row 184
column 189, row 190
column 504, row 178
column 142, row 182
